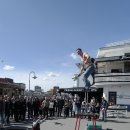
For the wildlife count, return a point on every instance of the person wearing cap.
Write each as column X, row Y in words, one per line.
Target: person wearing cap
column 87, row 68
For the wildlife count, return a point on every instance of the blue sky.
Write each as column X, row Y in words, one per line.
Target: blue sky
column 42, row 36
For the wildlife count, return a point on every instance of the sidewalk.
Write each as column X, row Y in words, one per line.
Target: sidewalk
column 69, row 124
column 18, row 125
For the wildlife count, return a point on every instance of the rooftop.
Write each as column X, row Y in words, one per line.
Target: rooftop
column 114, row 49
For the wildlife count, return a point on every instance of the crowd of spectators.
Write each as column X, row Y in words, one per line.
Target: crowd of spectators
column 20, row 108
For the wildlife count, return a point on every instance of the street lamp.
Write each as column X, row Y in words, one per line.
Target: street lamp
column 34, row 76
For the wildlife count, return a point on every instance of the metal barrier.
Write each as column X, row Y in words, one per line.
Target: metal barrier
column 117, row 111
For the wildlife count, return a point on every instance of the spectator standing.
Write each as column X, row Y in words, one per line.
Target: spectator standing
column 7, row 110
column 2, row 111
column 78, row 105
column 51, row 107
column 104, row 106
column 74, row 109
column 45, row 107
column 30, row 108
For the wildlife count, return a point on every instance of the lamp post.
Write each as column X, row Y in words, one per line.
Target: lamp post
column 34, row 76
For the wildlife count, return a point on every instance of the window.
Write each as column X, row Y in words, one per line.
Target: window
column 127, row 54
column 116, row 70
column 112, row 98
column 127, row 67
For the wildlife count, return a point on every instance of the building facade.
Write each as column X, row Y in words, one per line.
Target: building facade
column 8, row 87
column 113, row 73
column 37, row 89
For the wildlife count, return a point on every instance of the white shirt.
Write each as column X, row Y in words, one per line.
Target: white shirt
column 51, row 104
column 86, row 60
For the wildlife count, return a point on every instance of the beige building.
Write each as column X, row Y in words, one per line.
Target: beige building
column 113, row 72
column 8, row 87
column 112, row 76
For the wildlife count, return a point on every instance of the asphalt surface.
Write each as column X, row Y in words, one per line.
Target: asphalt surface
column 21, row 125
column 69, row 123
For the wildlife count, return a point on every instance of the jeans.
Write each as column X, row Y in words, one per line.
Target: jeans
column 104, row 115
column 7, row 115
column 2, row 117
column 90, row 70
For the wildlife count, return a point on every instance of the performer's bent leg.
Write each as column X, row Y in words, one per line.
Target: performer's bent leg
column 87, row 83
column 88, row 72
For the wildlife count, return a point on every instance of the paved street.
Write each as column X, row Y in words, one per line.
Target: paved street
column 18, row 125
column 69, row 124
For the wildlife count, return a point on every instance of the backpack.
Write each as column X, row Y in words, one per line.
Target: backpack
column 92, row 60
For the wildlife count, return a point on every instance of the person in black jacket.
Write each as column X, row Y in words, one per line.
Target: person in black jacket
column 22, row 108
column 30, row 108
column 17, row 109
column 12, row 102
column 60, row 104
column 2, row 110
column 7, row 110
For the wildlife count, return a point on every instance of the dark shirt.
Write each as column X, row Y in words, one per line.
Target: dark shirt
column 104, row 104
column 2, row 106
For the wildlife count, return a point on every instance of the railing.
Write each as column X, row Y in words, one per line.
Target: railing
column 112, row 77
column 117, row 111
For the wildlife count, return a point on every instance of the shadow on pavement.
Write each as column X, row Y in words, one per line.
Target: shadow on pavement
column 58, row 123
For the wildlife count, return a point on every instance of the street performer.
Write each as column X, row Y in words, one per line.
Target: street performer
column 87, row 67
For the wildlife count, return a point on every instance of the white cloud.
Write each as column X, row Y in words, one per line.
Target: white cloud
column 51, row 79
column 45, row 79
column 52, row 74
column 73, row 55
column 63, row 80
column 8, row 67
